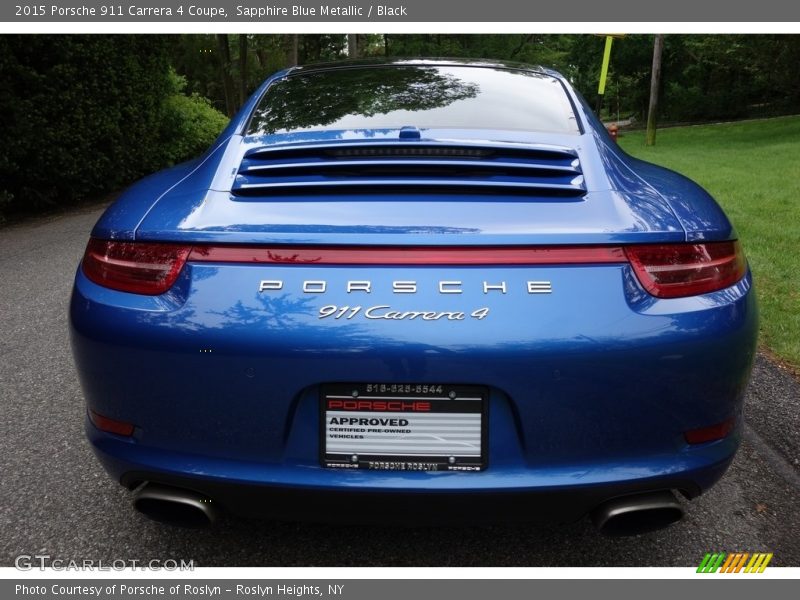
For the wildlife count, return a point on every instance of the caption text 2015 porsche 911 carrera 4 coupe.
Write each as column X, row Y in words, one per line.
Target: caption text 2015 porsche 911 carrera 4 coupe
column 415, row 290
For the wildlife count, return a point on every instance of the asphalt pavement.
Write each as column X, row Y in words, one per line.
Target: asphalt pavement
column 55, row 499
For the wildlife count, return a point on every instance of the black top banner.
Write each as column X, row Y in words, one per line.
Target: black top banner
column 410, row 11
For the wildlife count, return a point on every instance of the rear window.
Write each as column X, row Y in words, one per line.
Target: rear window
column 390, row 97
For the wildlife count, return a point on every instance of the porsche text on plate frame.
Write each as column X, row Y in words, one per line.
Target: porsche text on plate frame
column 426, row 284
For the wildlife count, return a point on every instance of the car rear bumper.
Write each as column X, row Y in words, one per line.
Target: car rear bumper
column 591, row 388
column 312, row 493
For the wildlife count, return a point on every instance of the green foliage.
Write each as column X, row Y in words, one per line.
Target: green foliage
column 78, row 115
column 543, row 49
column 322, row 47
column 198, row 58
column 753, row 170
column 705, row 77
column 84, row 115
column 189, row 124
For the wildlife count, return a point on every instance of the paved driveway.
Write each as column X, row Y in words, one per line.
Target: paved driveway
column 56, row 500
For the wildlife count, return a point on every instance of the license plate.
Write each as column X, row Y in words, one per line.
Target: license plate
column 403, row 427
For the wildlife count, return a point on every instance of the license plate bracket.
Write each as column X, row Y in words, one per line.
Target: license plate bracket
column 403, row 427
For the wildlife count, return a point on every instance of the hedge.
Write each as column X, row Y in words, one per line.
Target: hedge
column 83, row 115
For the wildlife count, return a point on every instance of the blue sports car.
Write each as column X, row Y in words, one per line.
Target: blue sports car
column 415, row 290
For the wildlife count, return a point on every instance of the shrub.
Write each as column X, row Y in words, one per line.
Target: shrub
column 189, row 124
column 84, row 115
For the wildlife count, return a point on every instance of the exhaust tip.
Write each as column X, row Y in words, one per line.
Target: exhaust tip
column 637, row 514
column 175, row 506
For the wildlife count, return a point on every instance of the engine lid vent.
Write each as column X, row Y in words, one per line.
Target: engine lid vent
column 382, row 167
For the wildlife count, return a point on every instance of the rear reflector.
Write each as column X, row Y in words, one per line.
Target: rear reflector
column 710, row 434
column 111, row 425
column 678, row 270
column 136, row 267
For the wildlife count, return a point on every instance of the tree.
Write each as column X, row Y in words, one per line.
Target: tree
column 294, row 50
column 243, row 83
column 658, row 47
column 225, row 72
column 352, row 45
column 83, row 115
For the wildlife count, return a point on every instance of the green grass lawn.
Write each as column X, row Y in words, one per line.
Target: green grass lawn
column 753, row 170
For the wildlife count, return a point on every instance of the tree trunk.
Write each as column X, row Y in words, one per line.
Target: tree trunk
column 317, row 40
column 225, row 73
column 293, row 55
column 655, row 82
column 352, row 45
column 261, row 55
column 243, row 50
column 386, row 44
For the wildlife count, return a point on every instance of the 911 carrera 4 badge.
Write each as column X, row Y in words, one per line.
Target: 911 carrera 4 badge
column 388, row 313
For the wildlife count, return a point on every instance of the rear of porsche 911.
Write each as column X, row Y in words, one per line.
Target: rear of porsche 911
column 418, row 291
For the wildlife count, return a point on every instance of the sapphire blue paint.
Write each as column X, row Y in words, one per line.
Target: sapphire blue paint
column 591, row 387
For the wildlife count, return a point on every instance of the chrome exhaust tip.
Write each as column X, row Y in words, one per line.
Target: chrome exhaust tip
column 175, row 506
column 637, row 514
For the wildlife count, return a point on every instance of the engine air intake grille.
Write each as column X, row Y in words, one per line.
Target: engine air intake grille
column 384, row 167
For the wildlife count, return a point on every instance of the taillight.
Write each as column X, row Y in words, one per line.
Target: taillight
column 136, row 267
column 411, row 255
column 678, row 270
column 665, row 270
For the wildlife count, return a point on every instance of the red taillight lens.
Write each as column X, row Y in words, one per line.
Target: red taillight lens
column 665, row 270
column 411, row 255
column 136, row 267
column 710, row 434
column 678, row 270
column 111, row 425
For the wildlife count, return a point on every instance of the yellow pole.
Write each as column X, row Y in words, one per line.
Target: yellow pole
column 601, row 89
